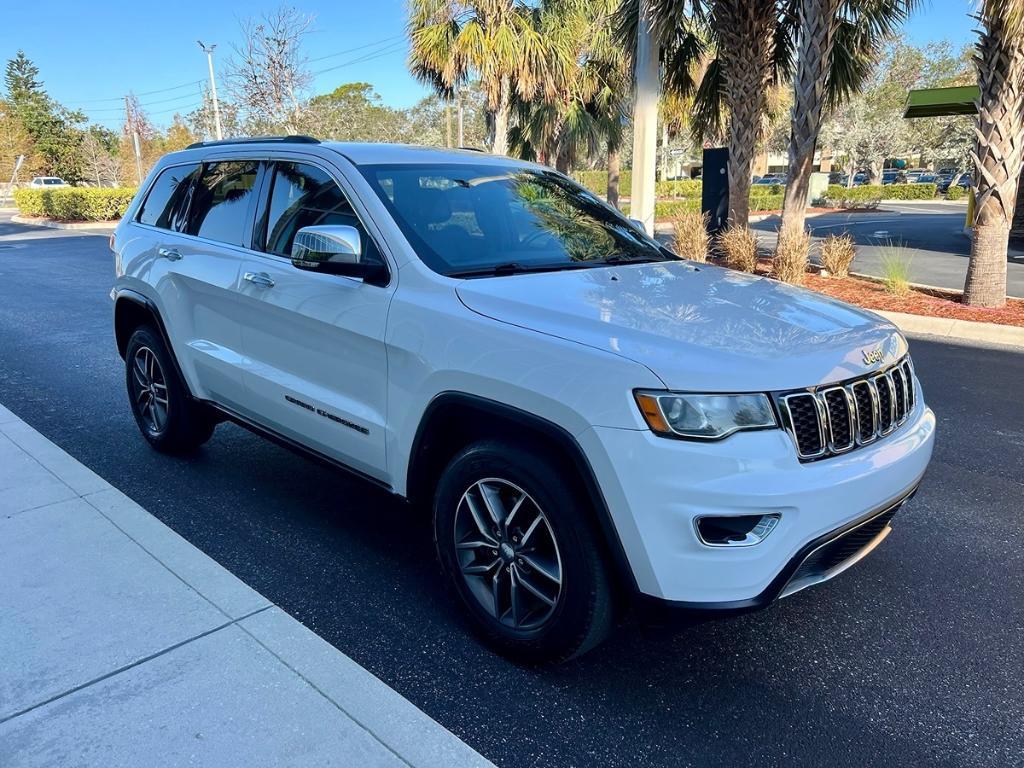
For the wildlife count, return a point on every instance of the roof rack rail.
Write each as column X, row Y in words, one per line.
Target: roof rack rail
column 472, row 149
column 256, row 140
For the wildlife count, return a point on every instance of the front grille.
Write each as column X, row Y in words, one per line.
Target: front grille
column 839, row 550
column 825, row 421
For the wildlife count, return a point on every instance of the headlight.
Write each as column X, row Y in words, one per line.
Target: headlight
column 704, row 417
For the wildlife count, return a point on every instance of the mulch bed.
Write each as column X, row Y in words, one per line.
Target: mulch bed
column 931, row 302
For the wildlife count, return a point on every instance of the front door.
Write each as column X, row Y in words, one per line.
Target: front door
column 316, row 367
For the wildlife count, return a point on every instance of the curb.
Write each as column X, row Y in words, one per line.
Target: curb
column 951, row 328
column 100, row 226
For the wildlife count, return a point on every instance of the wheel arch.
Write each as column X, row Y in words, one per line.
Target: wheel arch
column 132, row 309
column 453, row 420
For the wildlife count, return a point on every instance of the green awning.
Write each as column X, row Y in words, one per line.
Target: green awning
column 937, row 102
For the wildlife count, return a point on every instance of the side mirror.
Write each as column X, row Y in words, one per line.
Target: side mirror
column 335, row 249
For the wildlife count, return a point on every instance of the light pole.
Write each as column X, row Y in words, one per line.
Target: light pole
column 645, row 121
column 213, row 86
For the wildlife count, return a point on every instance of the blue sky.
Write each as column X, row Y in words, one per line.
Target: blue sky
column 91, row 54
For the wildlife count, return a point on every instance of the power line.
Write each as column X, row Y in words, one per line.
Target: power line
column 394, row 48
column 357, row 48
column 144, row 93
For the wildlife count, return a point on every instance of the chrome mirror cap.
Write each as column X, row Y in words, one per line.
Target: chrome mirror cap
column 335, row 243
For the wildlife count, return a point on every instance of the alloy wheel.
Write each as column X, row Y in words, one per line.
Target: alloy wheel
column 508, row 554
column 149, row 390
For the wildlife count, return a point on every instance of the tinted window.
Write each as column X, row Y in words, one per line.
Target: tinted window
column 465, row 219
column 303, row 195
column 165, row 204
column 221, row 199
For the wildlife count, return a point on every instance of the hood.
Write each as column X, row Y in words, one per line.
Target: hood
column 697, row 327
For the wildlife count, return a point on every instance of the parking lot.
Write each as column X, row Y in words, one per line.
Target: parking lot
column 912, row 658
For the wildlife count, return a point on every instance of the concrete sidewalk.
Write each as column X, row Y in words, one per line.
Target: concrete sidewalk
column 122, row 644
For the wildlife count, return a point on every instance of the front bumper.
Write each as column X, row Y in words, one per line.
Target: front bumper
column 655, row 488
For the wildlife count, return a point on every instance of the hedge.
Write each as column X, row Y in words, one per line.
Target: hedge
column 597, row 181
column 667, row 209
column 75, row 203
column 955, row 192
column 872, row 193
column 685, row 188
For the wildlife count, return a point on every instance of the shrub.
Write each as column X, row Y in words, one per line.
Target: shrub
column 738, row 247
column 669, row 209
column 691, row 235
column 837, row 253
column 790, row 261
column 896, row 262
column 760, row 201
column 687, row 188
column 955, row 192
column 597, row 181
column 75, row 203
column 870, row 194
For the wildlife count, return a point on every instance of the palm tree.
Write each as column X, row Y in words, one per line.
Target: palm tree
column 999, row 143
column 837, row 42
column 585, row 104
column 495, row 40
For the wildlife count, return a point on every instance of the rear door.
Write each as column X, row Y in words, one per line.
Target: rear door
column 314, row 343
column 196, row 218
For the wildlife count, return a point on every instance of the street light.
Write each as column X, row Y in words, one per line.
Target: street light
column 208, row 49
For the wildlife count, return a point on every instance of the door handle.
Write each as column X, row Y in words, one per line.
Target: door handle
column 259, row 278
column 171, row 254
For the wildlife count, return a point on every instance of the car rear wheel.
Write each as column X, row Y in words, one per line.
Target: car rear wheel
column 166, row 414
column 516, row 540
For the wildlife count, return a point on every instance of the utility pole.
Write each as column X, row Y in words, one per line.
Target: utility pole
column 645, row 122
column 213, row 87
column 132, row 126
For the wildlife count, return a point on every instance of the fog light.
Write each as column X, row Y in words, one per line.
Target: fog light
column 738, row 531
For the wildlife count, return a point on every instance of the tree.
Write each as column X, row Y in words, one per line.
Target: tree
column 21, row 78
column 584, row 104
column 99, row 162
column 999, row 144
column 835, row 44
column 496, row 41
column 352, row 112
column 267, row 74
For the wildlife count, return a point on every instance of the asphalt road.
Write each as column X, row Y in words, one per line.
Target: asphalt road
column 930, row 232
column 912, row 658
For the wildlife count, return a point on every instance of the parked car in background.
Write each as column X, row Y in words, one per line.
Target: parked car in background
column 944, row 183
column 488, row 340
column 772, row 178
column 47, row 182
column 914, row 175
column 861, row 178
column 927, row 178
column 893, row 176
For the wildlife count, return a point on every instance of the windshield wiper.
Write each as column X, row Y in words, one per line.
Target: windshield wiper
column 516, row 268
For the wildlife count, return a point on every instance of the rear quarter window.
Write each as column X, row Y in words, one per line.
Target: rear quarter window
column 167, row 199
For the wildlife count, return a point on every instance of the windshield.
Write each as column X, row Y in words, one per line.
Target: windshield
column 475, row 220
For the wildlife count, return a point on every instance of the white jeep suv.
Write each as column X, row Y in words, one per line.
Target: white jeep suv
column 589, row 419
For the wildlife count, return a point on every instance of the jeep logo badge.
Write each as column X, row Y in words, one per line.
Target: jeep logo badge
column 873, row 355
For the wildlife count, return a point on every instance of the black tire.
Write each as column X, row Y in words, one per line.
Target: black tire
column 584, row 610
column 183, row 424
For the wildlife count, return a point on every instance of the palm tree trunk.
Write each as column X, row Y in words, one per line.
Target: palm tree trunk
column 614, row 161
column 997, row 151
column 746, row 54
column 501, row 118
column 817, row 34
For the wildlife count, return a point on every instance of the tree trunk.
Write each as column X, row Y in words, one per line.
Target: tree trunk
column 817, row 33
column 501, row 118
column 997, row 154
column 613, row 175
column 746, row 28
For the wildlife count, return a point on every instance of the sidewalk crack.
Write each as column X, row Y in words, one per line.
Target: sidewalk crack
column 132, row 665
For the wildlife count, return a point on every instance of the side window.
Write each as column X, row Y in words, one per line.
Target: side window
column 303, row 195
column 166, row 202
column 221, row 199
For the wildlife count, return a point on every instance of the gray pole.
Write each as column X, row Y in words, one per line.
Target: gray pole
column 213, row 87
column 645, row 122
column 458, row 101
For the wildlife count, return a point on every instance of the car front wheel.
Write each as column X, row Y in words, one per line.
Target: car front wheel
column 516, row 540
